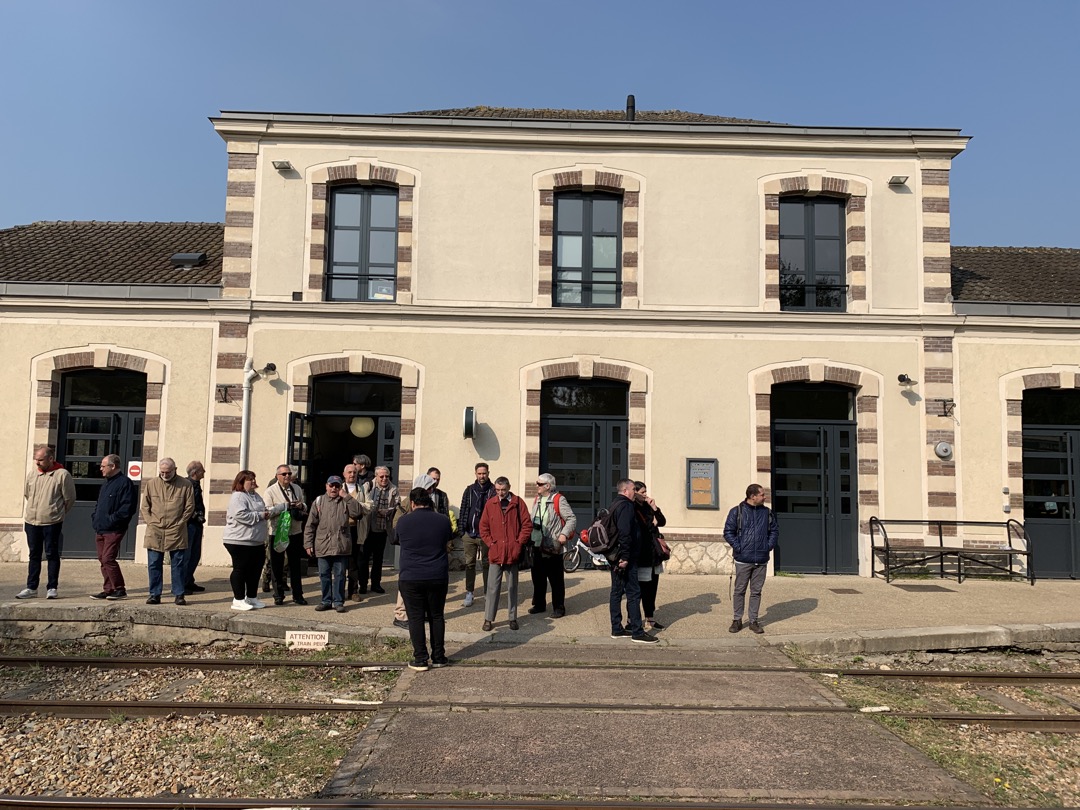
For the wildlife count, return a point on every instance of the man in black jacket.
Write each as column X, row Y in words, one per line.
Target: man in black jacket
column 624, row 570
column 116, row 505
column 472, row 507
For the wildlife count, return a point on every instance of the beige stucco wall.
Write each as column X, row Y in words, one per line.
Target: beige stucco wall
column 701, row 221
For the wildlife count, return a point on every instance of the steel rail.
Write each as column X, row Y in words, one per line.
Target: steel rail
column 74, row 662
column 85, row 803
column 114, row 708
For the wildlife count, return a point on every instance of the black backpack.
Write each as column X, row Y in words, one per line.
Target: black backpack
column 602, row 537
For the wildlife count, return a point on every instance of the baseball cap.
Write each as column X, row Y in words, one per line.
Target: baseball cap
column 335, row 479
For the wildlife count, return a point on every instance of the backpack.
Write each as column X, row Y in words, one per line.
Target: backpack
column 602, row 536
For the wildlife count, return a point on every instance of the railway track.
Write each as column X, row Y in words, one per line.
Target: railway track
column 60, row 803
column 1065, row 723
column 974, row 676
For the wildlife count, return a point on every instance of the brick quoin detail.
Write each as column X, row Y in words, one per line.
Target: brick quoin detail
column 557, row 370
column 791, row 374
column 937, row 345
column 233, row 360
column 243, row 161
column 1042, row 381
column 610, row 371
column 233, row 330
column 847, row 376
column 332, row 365
column 76, row 360
column 935, row 177
column 374, row 365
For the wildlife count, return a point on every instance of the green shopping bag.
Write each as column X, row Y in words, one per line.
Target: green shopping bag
column 281, row 533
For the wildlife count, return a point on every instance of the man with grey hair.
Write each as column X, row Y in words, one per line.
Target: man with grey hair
column 167, row 505
column 116, row 505
column 49, row 493
column 195, row 473
column 554, row 523
column 381, row 496
column 285, row 491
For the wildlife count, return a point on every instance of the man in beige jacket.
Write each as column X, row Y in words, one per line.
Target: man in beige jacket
column 168, row 502
column 50, row 493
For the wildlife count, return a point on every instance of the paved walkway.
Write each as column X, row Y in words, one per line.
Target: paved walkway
column 819, row 613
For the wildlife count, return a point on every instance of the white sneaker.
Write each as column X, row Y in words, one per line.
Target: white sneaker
column 468, row 598
column 255, row 603
column 51, row 593
column 26, row 593
column 241, row 604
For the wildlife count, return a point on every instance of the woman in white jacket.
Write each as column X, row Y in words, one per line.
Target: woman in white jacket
column 245, row 539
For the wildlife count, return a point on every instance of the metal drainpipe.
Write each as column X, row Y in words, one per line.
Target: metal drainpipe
column 250, row 375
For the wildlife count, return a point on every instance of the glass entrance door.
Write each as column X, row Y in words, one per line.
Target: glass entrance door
column 86, row 436
column 1051, row 465
column 814, row 496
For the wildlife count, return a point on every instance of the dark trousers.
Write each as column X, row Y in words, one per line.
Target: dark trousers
column 625, row 583
column 356, row 560
column 752, row 575
column 372, row 560
column 108, row 546
column 194, row 553
column 425, row 600
column 648, row 595
column 247, row 564
column 295, row 552
column 49, row 539
column 548, row 568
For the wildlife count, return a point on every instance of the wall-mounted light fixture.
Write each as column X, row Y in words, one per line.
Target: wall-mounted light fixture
column 895, row 181
column 468, row 423
column 904, row 379
column 285, row 166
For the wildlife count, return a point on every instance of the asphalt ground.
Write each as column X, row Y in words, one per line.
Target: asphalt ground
column 477, row 744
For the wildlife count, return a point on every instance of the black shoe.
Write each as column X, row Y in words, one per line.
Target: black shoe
column 180, row 600
column 362, row 589
column 736, row 626
column 119, row 593
column 102, row 595
column 419, row 666
column 299, row 600
column 644, row 638
column 377, row 589
column 153, row 600
column 322, row 606
column 194, row 588
column 620, row 633
column 488, row 626
column 439, row 663
column 651, row 625
column 339, row 608
column 404, row 625
column 534, row 610
column 279, row 600
column 756, row 628
column 558, row 613
column 188, row 592
column 513, row 624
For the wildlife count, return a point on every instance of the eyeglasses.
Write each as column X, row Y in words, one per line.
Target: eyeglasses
column 334, row 486
column 284, row 473
column 541, row 483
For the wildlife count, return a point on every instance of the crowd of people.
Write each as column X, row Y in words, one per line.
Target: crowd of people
column 347, row 528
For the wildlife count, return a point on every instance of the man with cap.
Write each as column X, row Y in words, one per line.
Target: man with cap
column 327, row 538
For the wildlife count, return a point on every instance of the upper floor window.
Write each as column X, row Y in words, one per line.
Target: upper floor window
column 588, row 250
column 812, row 241
column 362, row 250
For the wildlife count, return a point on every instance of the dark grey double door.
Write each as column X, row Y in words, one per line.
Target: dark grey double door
column 815, row 496
column 587, row 457
column 86, row 435
column 1051, row 475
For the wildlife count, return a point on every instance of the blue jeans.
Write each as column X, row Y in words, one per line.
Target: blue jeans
column 49, row 539
column 154, row 564
column 194, row 552
column 625, row 583
column 332, row 579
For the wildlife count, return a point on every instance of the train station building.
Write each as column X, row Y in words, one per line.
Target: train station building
column 694, row 301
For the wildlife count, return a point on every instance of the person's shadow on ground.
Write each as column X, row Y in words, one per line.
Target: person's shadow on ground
column 789, row 609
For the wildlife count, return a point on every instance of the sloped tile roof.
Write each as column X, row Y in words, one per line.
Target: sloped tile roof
column 670, row 116
column 1023, row 275
column 110, row 252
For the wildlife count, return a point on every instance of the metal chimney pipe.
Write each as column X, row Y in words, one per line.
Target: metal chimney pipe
column 631, row 111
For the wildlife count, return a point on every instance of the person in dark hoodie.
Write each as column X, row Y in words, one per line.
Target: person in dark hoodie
column 752, row 533
column 116, row 505
column 49, row 493
column 624, row 568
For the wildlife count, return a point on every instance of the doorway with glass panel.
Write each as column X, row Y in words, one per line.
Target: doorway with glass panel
column 101, row 412
column 814, row 489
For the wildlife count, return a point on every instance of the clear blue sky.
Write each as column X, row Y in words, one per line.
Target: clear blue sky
column 105, row 104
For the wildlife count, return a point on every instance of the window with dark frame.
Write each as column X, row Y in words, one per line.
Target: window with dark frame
column 587, row 265
column 812, row 260
column 361, row 255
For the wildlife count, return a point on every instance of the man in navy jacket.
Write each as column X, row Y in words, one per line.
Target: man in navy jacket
column 624, row 569
column 116, row 505
column 751, row 531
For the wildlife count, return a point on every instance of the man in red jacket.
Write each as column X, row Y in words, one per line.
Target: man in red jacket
column 505, row 526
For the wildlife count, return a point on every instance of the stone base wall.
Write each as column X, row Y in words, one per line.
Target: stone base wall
column 12, row 542
column 698, row 556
